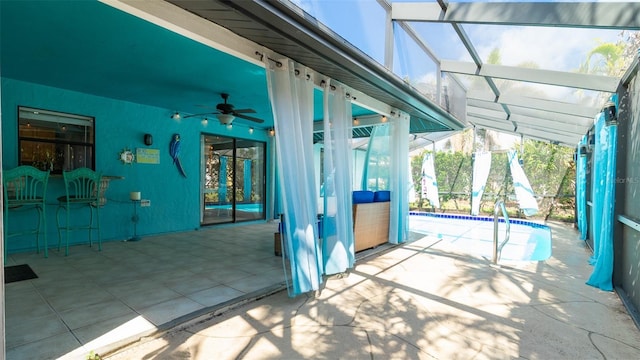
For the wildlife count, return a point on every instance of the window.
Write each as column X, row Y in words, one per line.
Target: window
column 55, row 141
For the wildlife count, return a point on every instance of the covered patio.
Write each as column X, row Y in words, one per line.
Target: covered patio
column 83, row 58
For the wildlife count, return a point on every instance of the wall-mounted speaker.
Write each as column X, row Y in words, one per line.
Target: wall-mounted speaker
column 148, row 139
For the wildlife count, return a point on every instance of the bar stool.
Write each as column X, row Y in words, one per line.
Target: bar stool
column 82, row 190
column 25, row 188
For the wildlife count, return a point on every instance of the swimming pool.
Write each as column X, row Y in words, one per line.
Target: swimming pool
column 529, row 241
column 253, row 207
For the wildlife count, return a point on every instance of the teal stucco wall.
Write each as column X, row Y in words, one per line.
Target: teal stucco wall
column 175, row 200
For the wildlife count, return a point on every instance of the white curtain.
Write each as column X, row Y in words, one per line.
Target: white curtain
column 398, row 181
column 524, row 194
column 481, row 167
column 292, row 103
column 429, row 181
column 272, row 210
column 375, row 173
column 338, row 244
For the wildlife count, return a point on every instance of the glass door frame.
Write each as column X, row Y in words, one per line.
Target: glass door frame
column 213, row 213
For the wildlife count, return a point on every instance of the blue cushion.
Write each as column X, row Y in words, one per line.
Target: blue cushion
column 380, row 196
column 362, row 196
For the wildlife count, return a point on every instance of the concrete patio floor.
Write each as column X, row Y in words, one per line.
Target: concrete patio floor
column 102, row 300
column 421, row 300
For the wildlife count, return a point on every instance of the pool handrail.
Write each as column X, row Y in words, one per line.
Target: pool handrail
column 497, row 249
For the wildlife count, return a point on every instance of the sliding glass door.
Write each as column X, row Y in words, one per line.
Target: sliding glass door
column 233, row 180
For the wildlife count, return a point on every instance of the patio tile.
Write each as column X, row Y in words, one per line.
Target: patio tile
column 143, row 298
column 191, row 284
column 61, row 346
column 169, row 310
column 163, row 276
column 34, row 329
column 251, row 283
column 226, row 275
column 28, row 306
column 78, row 298
column 119, row 290
column 215, row 295
column 80, row 317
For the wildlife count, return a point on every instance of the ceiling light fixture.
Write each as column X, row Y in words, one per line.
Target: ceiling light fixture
column 176, row 116
column 250, row 130
column 205, row 121
column 356, row 121
column 271, row 132
column 225, row 119
column 384, row 119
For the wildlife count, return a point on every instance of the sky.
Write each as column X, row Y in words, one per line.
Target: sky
column 362, row 23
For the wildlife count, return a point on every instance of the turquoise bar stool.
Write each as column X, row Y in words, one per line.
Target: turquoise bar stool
column 25, row 188
column 82, row 192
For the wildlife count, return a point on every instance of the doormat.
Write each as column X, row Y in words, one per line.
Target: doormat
column 18, row 273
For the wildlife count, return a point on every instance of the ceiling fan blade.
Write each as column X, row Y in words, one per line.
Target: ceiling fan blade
column 250, row 118
column 250, row 111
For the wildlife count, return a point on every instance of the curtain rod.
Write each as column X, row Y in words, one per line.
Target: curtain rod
column 278, row 63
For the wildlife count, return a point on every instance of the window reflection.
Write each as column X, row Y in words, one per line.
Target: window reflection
column 55, row 141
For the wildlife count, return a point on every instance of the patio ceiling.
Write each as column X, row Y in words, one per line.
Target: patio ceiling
column 157, row 54
column 94, row 48
column 511, row 112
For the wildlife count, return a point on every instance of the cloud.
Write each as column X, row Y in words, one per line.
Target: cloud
column 550, row 48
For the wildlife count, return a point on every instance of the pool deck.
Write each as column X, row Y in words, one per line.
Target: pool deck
column 422, row 300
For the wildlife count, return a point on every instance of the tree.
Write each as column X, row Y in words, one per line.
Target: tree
column 632, row 46
column 462, row 141
column 612, row 59
column 605, row 59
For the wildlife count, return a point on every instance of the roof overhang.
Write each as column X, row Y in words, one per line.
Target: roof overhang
column 286, row 30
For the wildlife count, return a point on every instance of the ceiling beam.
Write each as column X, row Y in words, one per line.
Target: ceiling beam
column 498, row 125
column 534, row 114
column 549, row 125
column 548, row 77
column 569, row 140
column 510, row 98
column 523, row 120
column 600, row 15
column 421, row 43
column 544, row 133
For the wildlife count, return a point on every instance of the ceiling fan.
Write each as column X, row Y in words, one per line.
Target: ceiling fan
column 226, row 112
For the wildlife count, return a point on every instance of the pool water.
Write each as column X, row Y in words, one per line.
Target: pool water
column 529, row 241
column 255, row 207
